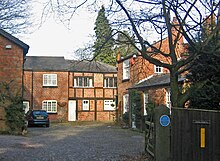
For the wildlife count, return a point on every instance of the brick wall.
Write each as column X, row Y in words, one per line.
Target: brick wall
column 11, row 70
column 36, row 93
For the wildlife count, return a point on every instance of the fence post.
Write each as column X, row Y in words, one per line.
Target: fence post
column 162, row 133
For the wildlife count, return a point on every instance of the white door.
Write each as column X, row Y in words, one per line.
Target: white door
column 72, row 110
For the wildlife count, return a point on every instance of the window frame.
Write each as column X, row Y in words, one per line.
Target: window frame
column 84, row 106
column 126, row 69
column 80, row 81
column 125, row 103
column 146, row 101
column 49, row 80
column 168, row 98
column 107, row 82
column 47, row 103
column 158, row 69
column 108, row 105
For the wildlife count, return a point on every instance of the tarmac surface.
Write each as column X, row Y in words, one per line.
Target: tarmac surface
column 69, row 142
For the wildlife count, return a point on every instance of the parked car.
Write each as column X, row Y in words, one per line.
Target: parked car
column 38, row 117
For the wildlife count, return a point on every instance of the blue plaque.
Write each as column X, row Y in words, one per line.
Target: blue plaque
column 164, row 120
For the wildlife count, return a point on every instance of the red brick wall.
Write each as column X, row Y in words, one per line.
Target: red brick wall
column 11, row 70
column 141, row 69
column 96, row 96
column 11, row 64
column 65, row 91
column 36, row 93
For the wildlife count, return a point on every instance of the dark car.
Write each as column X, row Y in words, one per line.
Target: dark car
column 38, row 117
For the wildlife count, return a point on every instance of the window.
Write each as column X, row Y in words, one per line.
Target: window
column 83, row 82
column 146, row 97
column 168, row 101
column 26, row 106
column 126, row 69
column 50, row 106
column 158, row 69
column 110, row 82
column 125, row 103
column 85, row 105
column 49, row 79
column 109, row 105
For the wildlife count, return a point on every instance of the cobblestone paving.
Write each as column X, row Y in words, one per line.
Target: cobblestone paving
column 94, row 142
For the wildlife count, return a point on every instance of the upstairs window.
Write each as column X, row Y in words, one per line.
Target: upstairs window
column 126, row 69
column 50, row 106
column 158, row 69
column 83, row 82
column 110, row 82
column 49, row 79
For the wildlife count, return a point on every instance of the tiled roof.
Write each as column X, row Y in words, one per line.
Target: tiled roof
column 91, row 66
column 15, row 40
column 156, row 80
column 42, row 63
column 45, row 63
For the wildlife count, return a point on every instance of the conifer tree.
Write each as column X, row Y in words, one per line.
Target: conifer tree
column 205, row 74
column 104, row 43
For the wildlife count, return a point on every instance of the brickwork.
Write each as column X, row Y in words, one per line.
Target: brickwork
column 141, row 69
column 35, row 93
column 11, row 67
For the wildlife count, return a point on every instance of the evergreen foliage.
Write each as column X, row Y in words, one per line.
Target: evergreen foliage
column 103, row 46
column 205, row 75
column 125, row 44
column 13, row 106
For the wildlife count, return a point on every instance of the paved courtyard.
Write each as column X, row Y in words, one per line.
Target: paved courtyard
column 64, row 142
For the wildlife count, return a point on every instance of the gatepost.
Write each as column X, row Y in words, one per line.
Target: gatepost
column 162, row 133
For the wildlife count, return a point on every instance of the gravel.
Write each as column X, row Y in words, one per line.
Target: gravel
column 66, row 142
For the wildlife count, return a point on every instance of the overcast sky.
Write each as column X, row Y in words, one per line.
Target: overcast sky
column 54, row 39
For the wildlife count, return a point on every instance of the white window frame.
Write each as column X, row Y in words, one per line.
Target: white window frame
column 158, row 69
column 26, row 105
column 109, row 105
column 50, row 106
column 86, row 82
column 49, row 79
column 85, row 105
column 146, row 101
column 126, row 69
column 125, row 103
column 107, row 82
column 168, row 98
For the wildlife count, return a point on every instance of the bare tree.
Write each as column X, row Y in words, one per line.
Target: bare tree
column 14, row 15
column 151, row 20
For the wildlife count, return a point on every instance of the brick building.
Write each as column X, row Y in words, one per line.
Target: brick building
column 12, row 53
column 151, row 81
column 70, row 90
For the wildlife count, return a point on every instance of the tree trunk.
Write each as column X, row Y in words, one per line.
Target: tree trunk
column 174, row 87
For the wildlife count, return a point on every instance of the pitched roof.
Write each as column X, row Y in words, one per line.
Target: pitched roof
column 91, row 66
column 15, row 40
column 156, row 81
column 42, row 63
column 45, row 63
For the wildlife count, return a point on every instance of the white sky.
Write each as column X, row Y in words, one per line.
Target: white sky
column 54, row 39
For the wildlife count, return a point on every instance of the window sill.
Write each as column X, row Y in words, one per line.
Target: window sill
column 50, row 86
column 125, row 80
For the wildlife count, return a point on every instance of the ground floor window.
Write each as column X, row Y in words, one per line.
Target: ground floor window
column 146, row 96
column 85, row 105
column 50, row 106
column 168, row 100
column 109, row 105
column 125, row 103
column 26, row 106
